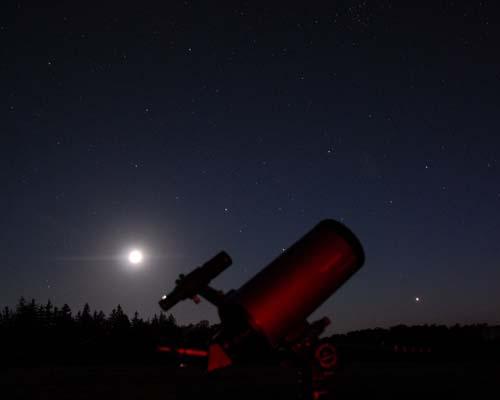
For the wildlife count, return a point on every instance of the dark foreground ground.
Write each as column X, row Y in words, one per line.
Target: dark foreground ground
column 410, row 380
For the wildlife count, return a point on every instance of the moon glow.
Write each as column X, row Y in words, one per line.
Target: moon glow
column 135, row 256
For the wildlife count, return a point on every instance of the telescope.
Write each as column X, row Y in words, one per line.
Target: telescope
column 265, row 320
column 196, row 283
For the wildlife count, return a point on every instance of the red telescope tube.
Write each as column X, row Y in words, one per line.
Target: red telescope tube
column 282, row 295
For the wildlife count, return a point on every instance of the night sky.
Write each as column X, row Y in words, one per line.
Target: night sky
column 186, row 128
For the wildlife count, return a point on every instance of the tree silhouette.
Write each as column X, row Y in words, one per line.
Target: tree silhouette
column 137, row 323
column 118, row 320
column 34, row 333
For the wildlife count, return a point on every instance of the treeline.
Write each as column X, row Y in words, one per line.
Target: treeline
column 44, row 333
column 457, row 343
column 33, row 333
column 430, row 335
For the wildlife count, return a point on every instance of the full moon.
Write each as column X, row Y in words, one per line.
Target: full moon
column 135, row 256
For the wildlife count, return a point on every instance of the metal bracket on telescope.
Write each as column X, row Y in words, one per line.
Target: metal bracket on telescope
column 196, row 283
